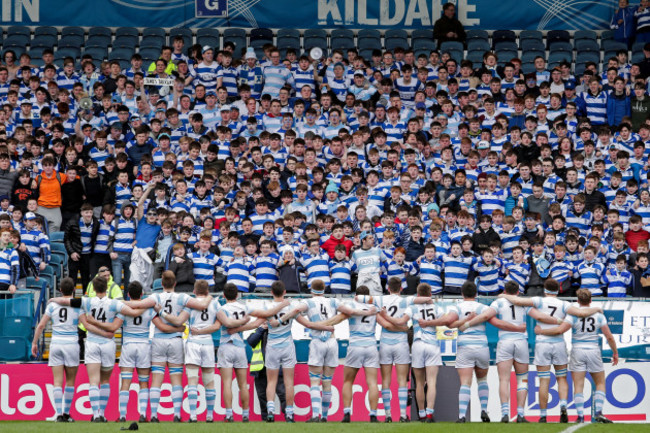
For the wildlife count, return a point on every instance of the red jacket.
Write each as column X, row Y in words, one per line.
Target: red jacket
column 632, row 238
column 330, row 244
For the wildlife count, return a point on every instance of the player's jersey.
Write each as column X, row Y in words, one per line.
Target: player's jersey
column 474, row 336
column 202, row 319
column 136, row 329
column 103, row 310
column 280, row 336
column 65, row 321
column 395, row 306
column 585, row 330
column 320, row 308
column 171, row 303
column 512, row 314
column 553, row 307
column 368, row 261
column 362, row 328
column 235, row 311
column 423, row 312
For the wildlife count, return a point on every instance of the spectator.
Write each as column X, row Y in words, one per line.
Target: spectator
column 80, row 235
column 448, row 27
column 50, row 199
column 622, row 22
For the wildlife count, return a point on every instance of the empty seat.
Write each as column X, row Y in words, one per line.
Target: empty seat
column 457, row 55
column 506, row 55
column 149, row 53
column 477, row 34
column 288, row 33
column 210, row 41
column 612, row 45
column 101, row 31
column 580, row 35
column 127, row 31
column 315, row 38
column 505, row 45
column 73, row 31
column 36, row 54
column 56, row 236
column 583, row 45
column 71, row 41
column 19, row 30
column 528, row 67
column 556, row 57
column 579, row 69
column 262, row 34
column 451, row 45
column 607, row 35
column 213, row 33
column 423, row 34
column 19, row 326
column 343, row 44
column 97, row 53
column 157, row 285
column 16, row 40
column 478, row 45
column 98, row 41
column 46, row 30
column 47, row 41
column 557, row 36
column 396, row 38
column 476, row 57
column 637, row 57
column 637, row 47
column 17, row 49
column 120, row 53
column 531, row 34
column 14, row 348
column 188, row 36
column 503, row 36
column 561, row 46
column 427, row 45
column 62, row 53
column 152, row 41
column 368, row 34
column 588, row 56
column 532, row 44
column 288, row 38
column 125, row 41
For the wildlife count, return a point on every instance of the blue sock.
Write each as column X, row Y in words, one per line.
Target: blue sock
column 327, row 399
column 464, row 396
column 579, row 400
column 385, row 398
column 403, row 395
column 124, row 402
column 210, row 399
column 505, row 409
column 483, row 392
column 177, row 399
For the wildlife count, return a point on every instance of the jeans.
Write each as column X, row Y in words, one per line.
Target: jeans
column 121, row 263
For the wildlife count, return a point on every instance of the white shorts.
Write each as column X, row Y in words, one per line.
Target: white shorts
column 425, row 354
column 64, row 354
column 277, row 357
column 168, row 350
column 551, row 353
column 231, row 356
column 199, row 354
column 324, row 353
column 394, row 354
column 103, row 354
column 588, row 360
column 136, row 355
column 362, row 356
column 473, row 356
column 513, row 349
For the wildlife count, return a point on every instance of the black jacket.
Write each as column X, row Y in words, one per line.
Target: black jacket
column 414, row 250
column 72, row 235
column 483, row 239
column 184, row 271
column 593, row 199
column 72, row 196
column 445, row 25
column 7, row 180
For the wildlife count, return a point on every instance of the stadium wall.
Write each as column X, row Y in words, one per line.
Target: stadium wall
column 356, row 14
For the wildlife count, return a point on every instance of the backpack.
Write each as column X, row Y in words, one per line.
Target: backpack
column 39, row 179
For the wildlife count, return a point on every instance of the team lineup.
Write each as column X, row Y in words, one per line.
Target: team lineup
column 149, row 354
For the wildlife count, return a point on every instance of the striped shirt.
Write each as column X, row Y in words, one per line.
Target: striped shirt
column 38, row 245
column 124, row 235
column 488, row 281
column 341, row 272
column 431, row 273
column 266, row 270
column 456, row 269
column 204, row 265
column 86, row 236
column 519, row 273
column 104, row 235
column 275, row 77
column 617, row 282
column 316, row 268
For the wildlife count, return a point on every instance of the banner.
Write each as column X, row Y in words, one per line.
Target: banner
column 626, row 392
column 26, row 394
column 355, row 14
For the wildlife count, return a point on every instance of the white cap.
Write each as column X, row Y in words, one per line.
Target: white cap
column 250, row 54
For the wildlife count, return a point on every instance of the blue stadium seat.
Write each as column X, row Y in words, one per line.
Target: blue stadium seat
column 261, row 34
column 71, row 41
column 101, row 41
column 505, row 45
column 154, row 31
column 16, row 40
column 238, row 37
column 637, row 47
column 127, row 31
column 97, row 53
column 607, row 35
column 17, row 49
column 612, row 45
column 456, row 55
column 44, row 41
column 56, row 262
column 528, row 67
column 506, row 55
column 426, row 45
column 125, row 41
column 529, row 56
column 561, row 46
column 557, row 36
column 531, row 34
column 14, row 348
column 288, row 38
column 210, row 36
column 209, row 41
column 423, row 34
column 557, row 57
column 312, row 39
column 581, row 35
column 36, row 54
column 638, row 57
column 46, row 30
column 503, row 36
column 100, row 31
column 19, row 30
column 532, row 44
column 477, row 34
column 150, row 53
column 476, row 57
column 73, row 31
column 152, row 41
column 62, row 53
column 451, row 45
column 579, row 68
column 157, row 285
column 478, row 45
column 583, row 45
column 396, row 38
column 342, row 44
column 368, row 34
column 56, row 236
column 188, row 36
column 18, row 326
